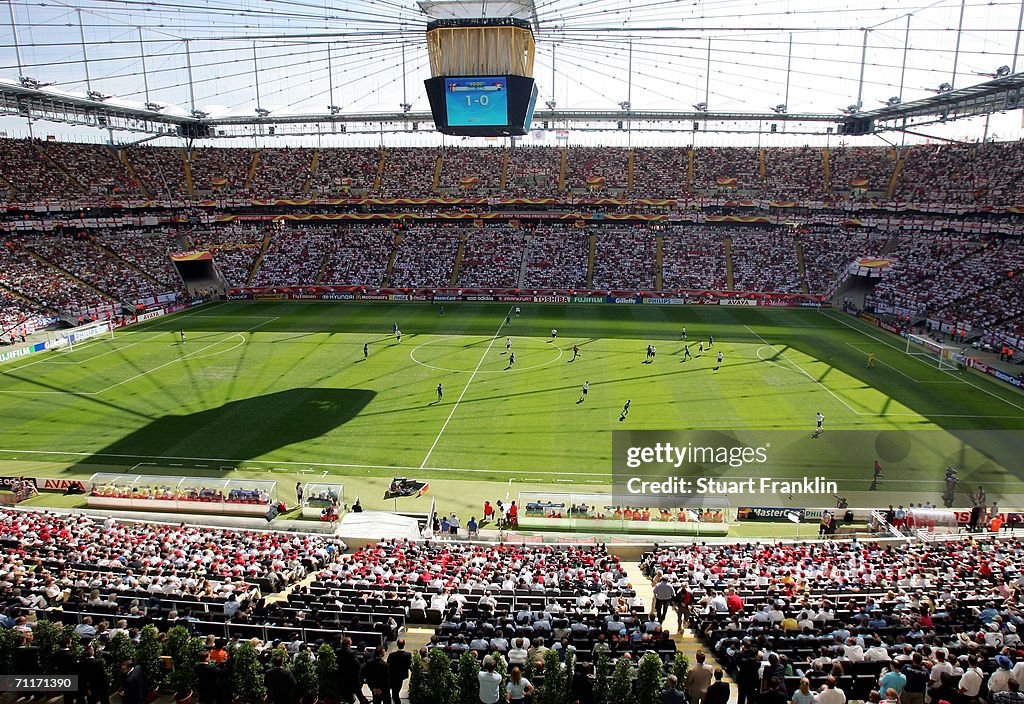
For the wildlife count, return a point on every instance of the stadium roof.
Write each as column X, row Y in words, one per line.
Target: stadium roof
column 237, row 61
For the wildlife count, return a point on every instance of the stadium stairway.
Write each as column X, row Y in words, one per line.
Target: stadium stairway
column 454, row 280
column 392, row 258
column 437, row 172
column 894, row 179
column 659, row 259
column 727, row 248
column 250, row 175
column 686, row 641
column 801, row 265
column 314, row 166
column 381, row 164
column 54, row 164
column 525, row 263
column 504, row 169
column 321, row 273
column 590, row 261
column 122, row 156
column 64, row 272
column 259, row 259
column 186, row 163
column 826, row 165
column 562, row 167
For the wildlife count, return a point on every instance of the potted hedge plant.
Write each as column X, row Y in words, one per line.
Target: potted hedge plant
column 247, row 675
column 552, row 690
column 120, row 649
column 469, row 684
column 620, row 689
column 602, row 678
column 47, row 636
column 418, row 685
column 680, row 666
column 184, row 650
column 306, row 677
column 327, row 673
column 649, row 680
column 569, row 669
column 148, row 656
column 442, row 687
column 8, row 642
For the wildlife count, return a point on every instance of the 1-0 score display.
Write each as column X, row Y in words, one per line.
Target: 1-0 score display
column 476, row 101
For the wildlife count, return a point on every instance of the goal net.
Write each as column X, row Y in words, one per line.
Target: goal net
column 66, row 340
column 936, row 353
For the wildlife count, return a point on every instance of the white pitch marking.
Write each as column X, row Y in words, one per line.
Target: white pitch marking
column 801, row 370
column 889, row 344
column 464, row 389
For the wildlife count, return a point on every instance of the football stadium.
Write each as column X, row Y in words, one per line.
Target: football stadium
column 466, row 352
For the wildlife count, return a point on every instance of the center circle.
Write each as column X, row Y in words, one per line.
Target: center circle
column 446, row 354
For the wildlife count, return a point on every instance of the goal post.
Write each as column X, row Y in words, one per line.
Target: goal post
column 67, row 339
column 927, row 349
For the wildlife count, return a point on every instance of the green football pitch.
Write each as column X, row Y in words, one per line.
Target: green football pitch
column 281, row 390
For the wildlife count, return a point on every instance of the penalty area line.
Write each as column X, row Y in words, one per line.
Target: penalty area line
column 803, row 371
column 832, row 316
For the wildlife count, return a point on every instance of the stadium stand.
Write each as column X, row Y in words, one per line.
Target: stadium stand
column 794, row 174
column 693, row 258
column 80, row 257
column 710, row 164
column 764, row 259
column 625, row 259
column 847, row 609
column 216, row 170
column 281, row 173
column 963, row 173
column 556, row 258
column 409, row 172
column 465, row 171
column 492, row 258
column 952, row 272
column 935, row 274
column 360, row 256
column 25, row 275
column 160, row 169
column 533, row 172
column 425, row 257
column 295, row 257
column 341, row 171
column 13, row 315
column 852, row 165
column 827, row 252
column 610, row 164
column 148, row 250
column 235, row 248
column 660, row 172
column 96, row 168
column 29, row 175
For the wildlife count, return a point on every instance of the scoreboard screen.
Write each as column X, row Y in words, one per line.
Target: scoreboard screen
column 476, row 101
column 482, row 106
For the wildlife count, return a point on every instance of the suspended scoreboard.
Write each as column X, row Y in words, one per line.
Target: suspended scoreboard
column 482, row 84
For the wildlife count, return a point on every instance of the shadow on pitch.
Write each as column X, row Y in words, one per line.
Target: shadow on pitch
column 236, row 431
